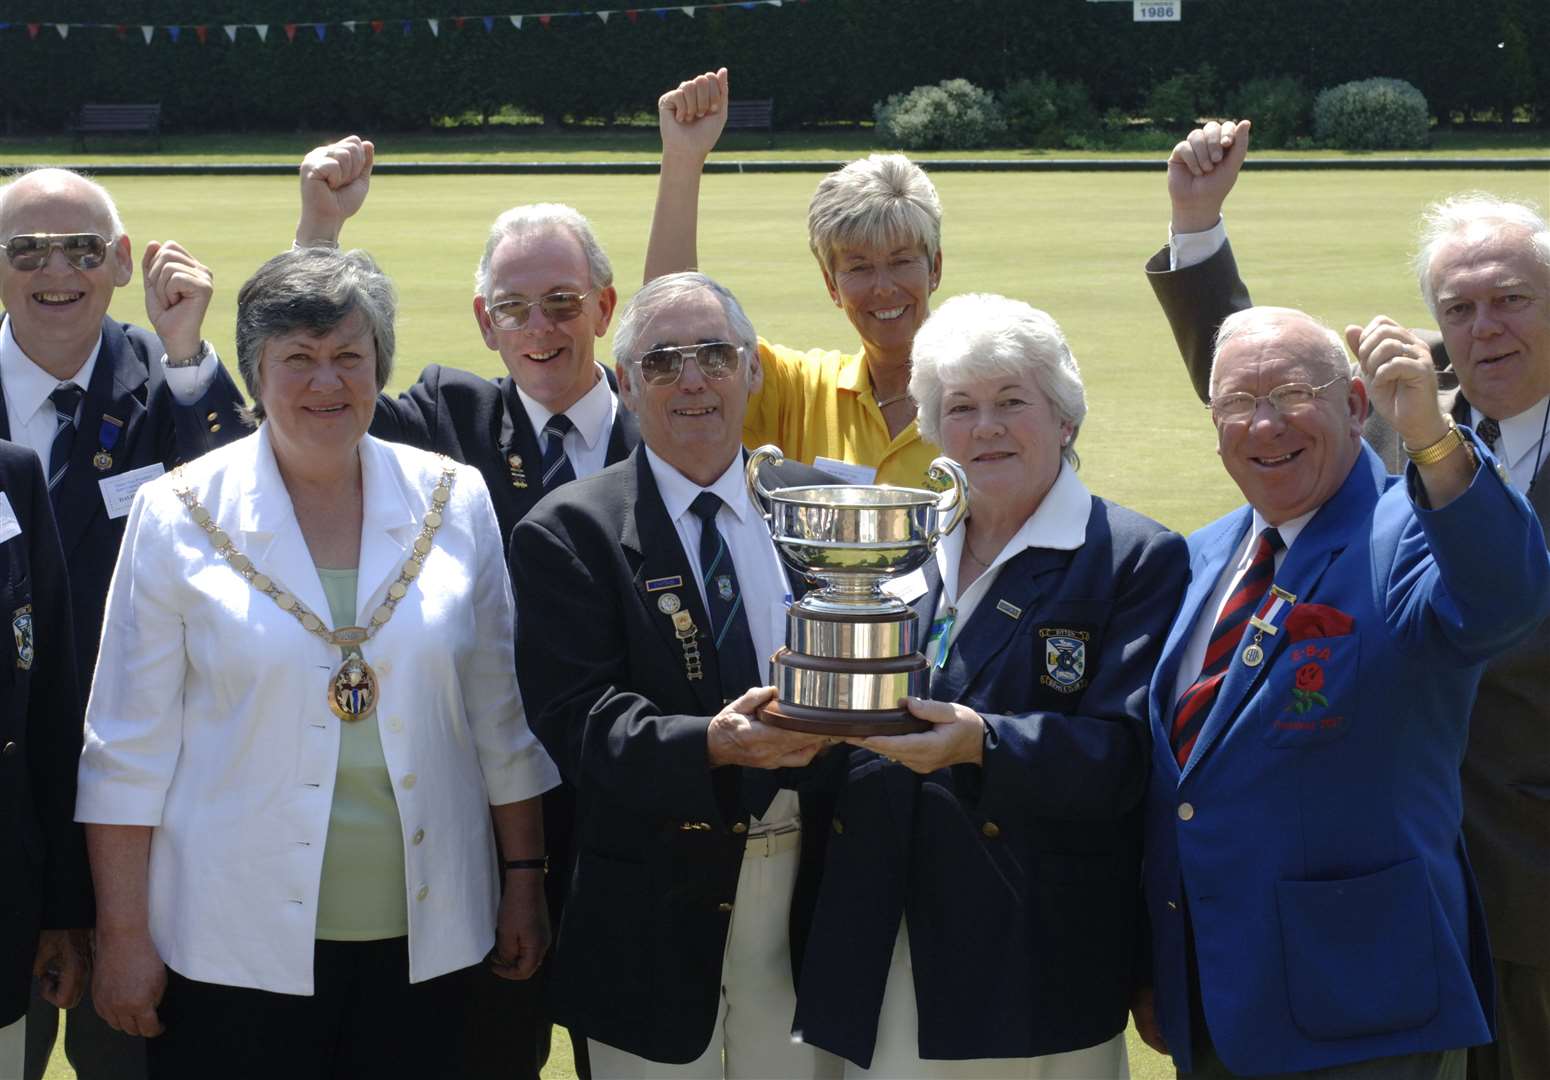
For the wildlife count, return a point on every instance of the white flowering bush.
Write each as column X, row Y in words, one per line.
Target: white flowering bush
column 952, row 115
column 1372, row 114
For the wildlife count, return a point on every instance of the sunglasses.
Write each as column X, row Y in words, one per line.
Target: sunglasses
column 29, row 251
column 717, row 360
column 557, row 307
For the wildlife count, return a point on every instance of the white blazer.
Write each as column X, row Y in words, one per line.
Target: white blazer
column 209, row 720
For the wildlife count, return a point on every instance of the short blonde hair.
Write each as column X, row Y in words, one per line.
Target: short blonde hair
column 878, row 200
column 981, row 335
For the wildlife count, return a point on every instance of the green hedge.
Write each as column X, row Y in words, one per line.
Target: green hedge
column 820, row 59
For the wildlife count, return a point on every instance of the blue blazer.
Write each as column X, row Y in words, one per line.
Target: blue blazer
column 1019, row 879
column 1312, row 840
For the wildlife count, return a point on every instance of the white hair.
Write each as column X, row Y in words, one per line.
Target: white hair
column 881, row 199
column 667, row 290
column 1442, row 221
column 538, row 218
column 1250, row 322
column 61, row 177
column 978, row 336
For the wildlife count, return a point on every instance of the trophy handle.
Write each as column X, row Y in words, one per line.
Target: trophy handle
column 954, row 499
column 762, row 495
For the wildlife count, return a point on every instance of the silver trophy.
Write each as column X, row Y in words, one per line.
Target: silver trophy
column 852, row 651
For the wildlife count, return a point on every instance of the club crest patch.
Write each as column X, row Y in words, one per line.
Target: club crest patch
column 1065, row 659
column 724, row 587
column 21, row 627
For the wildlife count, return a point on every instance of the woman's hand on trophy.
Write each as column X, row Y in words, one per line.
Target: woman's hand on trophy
column 737, row 736
column 957, row 737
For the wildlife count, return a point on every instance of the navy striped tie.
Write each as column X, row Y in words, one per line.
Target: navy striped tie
column 67, row 399
column 724, row 602
column 557, row 467
column 1195, row 703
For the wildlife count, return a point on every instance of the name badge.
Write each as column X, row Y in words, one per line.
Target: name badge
column 9, row 526
column 118, row 492
column 846, row 472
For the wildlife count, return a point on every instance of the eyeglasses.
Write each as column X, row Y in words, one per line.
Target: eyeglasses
column 557, row 307
column 717, row 359
column 29, row 251
column 1287, row 399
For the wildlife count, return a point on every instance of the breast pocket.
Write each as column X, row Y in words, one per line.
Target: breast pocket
column 1066, row 640
column 1311, row 692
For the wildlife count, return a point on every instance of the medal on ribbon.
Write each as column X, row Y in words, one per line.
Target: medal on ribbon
column 107, row 439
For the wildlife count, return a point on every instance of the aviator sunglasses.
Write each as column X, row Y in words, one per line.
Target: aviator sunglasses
column 557, row 307
column 29, row 251
column 717, row 359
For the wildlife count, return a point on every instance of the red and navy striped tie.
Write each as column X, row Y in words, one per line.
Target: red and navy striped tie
column 1195, row 703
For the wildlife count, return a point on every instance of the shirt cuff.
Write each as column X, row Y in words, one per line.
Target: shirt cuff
column 189, row 384
column 1192, row 249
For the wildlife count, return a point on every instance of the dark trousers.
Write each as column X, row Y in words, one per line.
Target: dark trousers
column 95, row 1051
column 364, row 1020
column 1522, row 1047
column 1443, row 1065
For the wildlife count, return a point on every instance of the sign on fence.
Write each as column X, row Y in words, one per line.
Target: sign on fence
column 1158, row 10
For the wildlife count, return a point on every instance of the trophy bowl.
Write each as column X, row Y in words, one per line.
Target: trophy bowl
column 851, row 649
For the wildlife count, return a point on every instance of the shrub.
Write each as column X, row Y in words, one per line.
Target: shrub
column 952, row 115
column 1182, row 98
column 1373, row 114
column 1043, row 112
column 1280, row 107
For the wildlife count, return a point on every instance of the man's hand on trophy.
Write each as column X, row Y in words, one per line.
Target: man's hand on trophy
column 737, row 736
column 957, row 737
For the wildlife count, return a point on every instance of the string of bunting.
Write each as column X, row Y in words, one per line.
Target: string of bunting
column 202, row 32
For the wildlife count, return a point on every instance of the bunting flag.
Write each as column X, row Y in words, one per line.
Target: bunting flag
column 320, row 29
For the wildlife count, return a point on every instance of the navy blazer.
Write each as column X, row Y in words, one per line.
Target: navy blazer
column 42, row 852
column 1310, row 847
column 659, row 833
column 481, row 422
column 128, row 385
column 1019, row 880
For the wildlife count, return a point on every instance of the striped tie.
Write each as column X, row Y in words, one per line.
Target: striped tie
column 557, row 467
column 67, row 399
column 724, row 602
column 1489, row 431
column 1195, row 703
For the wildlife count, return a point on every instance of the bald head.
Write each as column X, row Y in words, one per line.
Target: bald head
column 63, row 191
column 1298, row 335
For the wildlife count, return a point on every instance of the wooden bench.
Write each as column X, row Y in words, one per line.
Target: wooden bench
column 754, row 114
column 117, row 120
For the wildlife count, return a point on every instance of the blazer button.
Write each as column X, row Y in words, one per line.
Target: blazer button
column 10, row 749
column 724, row 907
column 1186, row 811
column 991, row 830
column 408, row 781
column 740, row 828
column 212, row 416
column 425, row 890
column 839, row 827
column 214, row 428
column 419, row 836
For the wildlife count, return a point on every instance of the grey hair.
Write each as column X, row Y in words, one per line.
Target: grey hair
column 980, row 336
column 881, row 199
column 1262, row 320
column 664, row 292
column 56, row 176
column 1447, row 218
column 312, row 289
column 537, row 218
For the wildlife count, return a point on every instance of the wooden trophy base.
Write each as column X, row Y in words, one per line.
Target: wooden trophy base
column 842, row 722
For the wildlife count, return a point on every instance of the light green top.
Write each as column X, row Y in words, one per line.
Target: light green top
column 361, row 897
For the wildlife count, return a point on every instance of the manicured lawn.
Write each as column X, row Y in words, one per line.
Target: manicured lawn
column 508, row 142
column 1335, row 243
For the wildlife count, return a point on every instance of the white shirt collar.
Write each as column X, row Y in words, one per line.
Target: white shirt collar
column 1520, row 434
column 591, row 414
column 27, row 386
column 1058, row 522
column 678, row 491
column 1289, row 531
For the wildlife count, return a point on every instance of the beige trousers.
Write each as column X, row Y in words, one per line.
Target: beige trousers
column 752, row 1037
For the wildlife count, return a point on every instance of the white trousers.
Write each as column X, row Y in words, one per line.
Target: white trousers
column 896, row 1055
column 13, row 1050
column 752, row 1037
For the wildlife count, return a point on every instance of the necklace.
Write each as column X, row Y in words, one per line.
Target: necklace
column 983, row 562
column 885, row 402
column 353, row 687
